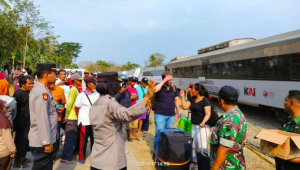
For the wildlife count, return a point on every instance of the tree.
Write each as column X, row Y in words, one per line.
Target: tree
column 34, row 24
column 103, row 65
column 68, row 52
column 129, row 66
column 156, row 59
column 4, row 4
column 10, row 38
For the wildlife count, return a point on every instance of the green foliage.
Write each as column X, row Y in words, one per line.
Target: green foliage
column 4, row 4
column 129, row 66
column 103, row 65
column 156, row 59
column 25, row 34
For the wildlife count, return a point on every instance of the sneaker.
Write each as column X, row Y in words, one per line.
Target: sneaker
column 82, row 162
column 193, row 166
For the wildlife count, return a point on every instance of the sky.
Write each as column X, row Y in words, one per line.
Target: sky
column 131, row 30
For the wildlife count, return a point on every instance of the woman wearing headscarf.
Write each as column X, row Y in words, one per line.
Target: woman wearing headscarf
column 106, row 117
column 4, row 85
column 7, row 145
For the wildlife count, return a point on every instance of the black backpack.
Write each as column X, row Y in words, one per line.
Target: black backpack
column 214, row 117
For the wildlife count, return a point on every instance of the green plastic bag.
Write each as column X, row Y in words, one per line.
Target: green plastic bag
column 182, row 123
column 189, row 126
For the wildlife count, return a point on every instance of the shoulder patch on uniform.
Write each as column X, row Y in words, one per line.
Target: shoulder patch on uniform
column 45, row 96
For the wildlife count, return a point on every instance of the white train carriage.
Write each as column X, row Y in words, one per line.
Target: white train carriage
column 135, row 72
column 263, row 71
column 154, row 73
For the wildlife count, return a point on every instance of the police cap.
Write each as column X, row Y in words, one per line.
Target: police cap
column 46, row 67
column 229, row 93
column 107, row 77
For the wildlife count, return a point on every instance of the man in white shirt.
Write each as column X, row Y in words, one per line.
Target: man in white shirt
column 83, row 104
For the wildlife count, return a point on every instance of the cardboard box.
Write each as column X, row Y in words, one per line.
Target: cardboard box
column 278, row 143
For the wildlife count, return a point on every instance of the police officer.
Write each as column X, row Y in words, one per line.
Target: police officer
column 43, row 118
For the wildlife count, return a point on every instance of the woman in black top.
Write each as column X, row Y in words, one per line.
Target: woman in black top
column 200, row 108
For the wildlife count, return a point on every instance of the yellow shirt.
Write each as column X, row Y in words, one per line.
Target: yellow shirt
column 70, row 112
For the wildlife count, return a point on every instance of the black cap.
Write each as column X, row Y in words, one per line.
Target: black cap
column 46, row 66
column 107, row 77
column 145, row 80
column 90, row 79
column 134, row 79
column 229, row 93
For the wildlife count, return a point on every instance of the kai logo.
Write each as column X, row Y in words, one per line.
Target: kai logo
column 248, row 91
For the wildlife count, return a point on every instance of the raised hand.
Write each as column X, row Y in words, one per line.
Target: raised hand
column 181, row 93
column 150, row 92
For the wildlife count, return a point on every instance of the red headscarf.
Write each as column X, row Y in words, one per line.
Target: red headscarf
column 2, row 76
column 4, row 122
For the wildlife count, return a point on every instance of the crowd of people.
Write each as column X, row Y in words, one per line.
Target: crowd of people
column 98, row 108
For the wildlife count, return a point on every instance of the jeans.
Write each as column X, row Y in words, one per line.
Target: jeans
column 71, row 139
column 162, row 122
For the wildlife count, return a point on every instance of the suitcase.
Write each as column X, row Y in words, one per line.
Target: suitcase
column 159, row 131
column 175, row 150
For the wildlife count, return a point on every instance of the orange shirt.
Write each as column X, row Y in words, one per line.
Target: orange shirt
column 4, row 87
column 59, row 97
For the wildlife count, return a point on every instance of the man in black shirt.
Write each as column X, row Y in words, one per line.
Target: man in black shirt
column 22, row 122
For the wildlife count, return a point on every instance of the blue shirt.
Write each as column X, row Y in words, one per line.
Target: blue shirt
column 165, row 101
column 124, row 99
column 140, row 90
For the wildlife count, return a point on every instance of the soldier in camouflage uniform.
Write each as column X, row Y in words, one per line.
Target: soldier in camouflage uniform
column 292, row 107
column 229, row 134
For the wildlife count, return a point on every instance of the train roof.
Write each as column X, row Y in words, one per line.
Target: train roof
column 289, row 36
column 154, row 68
column 225, row 44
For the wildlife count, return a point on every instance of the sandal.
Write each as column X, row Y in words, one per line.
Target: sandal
column 138, row 139
column 193, row 166
column 65, row 161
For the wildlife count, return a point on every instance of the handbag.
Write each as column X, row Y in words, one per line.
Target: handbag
column 214, row 117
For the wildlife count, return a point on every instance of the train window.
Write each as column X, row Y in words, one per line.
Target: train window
column 239, row 69
column 175, row 72
column 197, row 71
column 226, row 70
column 295, row 66
column 256, row 68
column 276, row 67
column 208, row 71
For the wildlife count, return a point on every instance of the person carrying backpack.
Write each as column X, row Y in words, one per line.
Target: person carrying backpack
column 200, row 107
column 164, row 102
